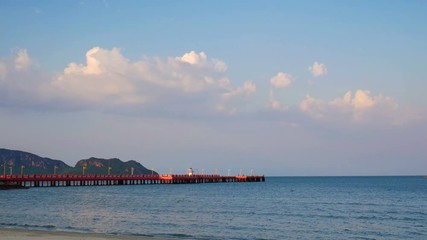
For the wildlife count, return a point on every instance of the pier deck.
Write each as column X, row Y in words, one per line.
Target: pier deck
column 59, row 180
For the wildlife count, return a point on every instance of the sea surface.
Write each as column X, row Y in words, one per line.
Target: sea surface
column 280, row 208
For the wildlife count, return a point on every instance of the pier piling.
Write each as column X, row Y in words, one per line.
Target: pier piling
column 67, row 180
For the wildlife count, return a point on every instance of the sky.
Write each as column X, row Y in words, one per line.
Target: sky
column 280, row 88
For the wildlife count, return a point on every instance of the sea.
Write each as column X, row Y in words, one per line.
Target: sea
column 279, row 208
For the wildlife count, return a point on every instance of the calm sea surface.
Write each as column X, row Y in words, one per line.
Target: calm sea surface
column 280, row 208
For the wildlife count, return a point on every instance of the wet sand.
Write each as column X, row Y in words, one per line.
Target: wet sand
column 21, row 234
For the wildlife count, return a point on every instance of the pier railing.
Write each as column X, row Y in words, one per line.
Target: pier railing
column 55, row 180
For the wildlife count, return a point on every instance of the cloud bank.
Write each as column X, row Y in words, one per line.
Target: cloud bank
column 108, row 80
column 191, row 85
column 361, row 108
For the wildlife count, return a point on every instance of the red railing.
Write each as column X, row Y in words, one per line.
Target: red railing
column 161, row 178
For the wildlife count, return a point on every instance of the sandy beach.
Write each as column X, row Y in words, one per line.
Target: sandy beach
column 21, row 234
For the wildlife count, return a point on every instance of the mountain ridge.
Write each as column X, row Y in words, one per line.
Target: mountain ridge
column 34, row 164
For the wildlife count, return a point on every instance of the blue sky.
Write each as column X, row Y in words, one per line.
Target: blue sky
column 281, row 87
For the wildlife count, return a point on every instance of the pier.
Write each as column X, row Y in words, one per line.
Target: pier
column 67, row 180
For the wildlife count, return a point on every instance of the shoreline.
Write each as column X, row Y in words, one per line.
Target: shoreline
column 24, row 234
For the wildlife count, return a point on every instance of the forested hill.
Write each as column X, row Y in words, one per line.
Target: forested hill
column 34, row 164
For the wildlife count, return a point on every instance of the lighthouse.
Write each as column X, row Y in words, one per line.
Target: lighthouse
column 190, row 172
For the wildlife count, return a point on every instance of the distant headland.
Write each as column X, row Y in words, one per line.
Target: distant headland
column 28, row 163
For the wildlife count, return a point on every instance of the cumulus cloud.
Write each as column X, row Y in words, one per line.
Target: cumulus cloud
column 318, row 69
column 281, row 80
column 247, row 88
column 360, row 107
column 108, row 77
column 99, row 61
column 19, row 81
column 103, row 79
column 188, row 85
column 193, row 58
column 191, row 82
column 201, row 59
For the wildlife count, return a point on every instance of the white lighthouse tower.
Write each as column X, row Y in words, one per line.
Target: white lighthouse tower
column 190, row 172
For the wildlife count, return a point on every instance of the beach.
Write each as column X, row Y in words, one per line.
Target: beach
column 22, row 234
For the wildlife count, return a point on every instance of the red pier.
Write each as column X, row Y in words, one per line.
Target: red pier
column 63, row 180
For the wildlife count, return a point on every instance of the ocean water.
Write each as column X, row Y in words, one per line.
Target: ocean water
column 280, row 208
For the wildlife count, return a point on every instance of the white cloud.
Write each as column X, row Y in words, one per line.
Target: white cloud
column 361, row 100
column 247, row 88
column 220, row 66
column 99, row 61
column 109, row 77
column 318, row 69
column 22, row 60
column 104, row 79
column 192, row 82
column 176, row 74
column 201, row 59
column 281, row 80
column 193, row 58
column 19, row 81
column 362, row 107
column 230, row 101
